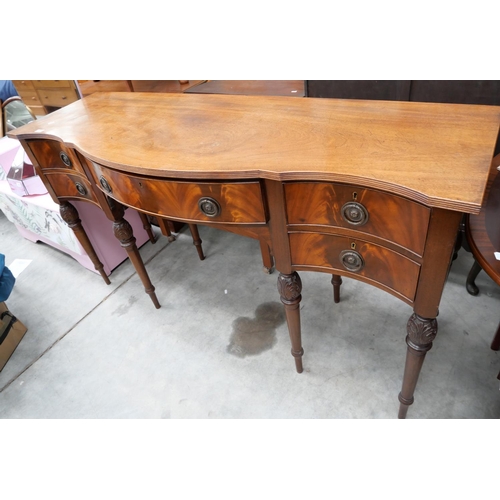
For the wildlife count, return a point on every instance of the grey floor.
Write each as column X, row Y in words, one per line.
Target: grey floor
column 219, row 346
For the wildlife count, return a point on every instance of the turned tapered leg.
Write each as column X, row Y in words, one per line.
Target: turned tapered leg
column 123, row 232
column 267, row 257
column 70, row 215
column 165, row 229
column 469, row 284
column 290, row 288
column 147, row 227
column 336, row 282
column 196, row 240
column 421, row 333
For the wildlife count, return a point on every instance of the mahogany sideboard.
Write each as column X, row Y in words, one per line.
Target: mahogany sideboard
column 370, row 190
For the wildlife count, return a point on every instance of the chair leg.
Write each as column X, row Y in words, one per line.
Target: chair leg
column 469, row 284
column 336, row 282
column 495, row 344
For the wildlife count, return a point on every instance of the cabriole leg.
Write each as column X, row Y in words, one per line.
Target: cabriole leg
column 471, row 278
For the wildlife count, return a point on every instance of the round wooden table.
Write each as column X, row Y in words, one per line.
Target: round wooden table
column 483, row 236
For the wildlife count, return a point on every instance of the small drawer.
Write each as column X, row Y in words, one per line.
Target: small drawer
column 219, row 202
column 387, row 216
column 53, row 154
column 22, row 85
column 30, row 98
column 57, row 98
column 38, row 110
column 372, row 263
column 70, row 186
column 44, row 84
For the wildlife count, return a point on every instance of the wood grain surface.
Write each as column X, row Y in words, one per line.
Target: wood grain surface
column 437, row 154
column 389, row 217
column 239, row 202
column 321, row 252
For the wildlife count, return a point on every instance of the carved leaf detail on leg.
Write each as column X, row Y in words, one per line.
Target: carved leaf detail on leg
column 421, row 332
column 289, row 286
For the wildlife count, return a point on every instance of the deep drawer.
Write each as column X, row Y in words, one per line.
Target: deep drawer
column 387, row 216
column 225, row 202
column 378, row 265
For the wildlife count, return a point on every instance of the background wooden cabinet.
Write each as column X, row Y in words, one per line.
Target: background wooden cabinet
column 43, row 96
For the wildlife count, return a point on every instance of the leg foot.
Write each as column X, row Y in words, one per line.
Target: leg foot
column 147, row 227
column 69, row 214
column 267, row 257
column 336, row 282
column 421, row 333
column 165, row 229
column 290, row 288
column 196, row 240
column 469, row 284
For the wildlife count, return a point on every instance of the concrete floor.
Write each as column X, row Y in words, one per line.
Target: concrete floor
column 219, row 346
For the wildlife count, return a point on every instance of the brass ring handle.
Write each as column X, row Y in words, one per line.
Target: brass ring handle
column 209, row 207
column 81, row 188
column 352, row 261
column 354, row 213
column 104, row 184
column 65, row 158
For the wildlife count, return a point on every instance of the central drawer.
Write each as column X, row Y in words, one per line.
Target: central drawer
column 384, row 215
column 219, row 202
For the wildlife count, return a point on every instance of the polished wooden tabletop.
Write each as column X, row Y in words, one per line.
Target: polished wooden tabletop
column 438, row 154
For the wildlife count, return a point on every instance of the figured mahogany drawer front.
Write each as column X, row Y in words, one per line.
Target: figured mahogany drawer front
column 228, row 202
column 374, row 262
column 53, row 154
column 387, row 216
column 70, row 186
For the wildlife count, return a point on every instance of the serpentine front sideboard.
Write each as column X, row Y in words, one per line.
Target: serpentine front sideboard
column 370, row 190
